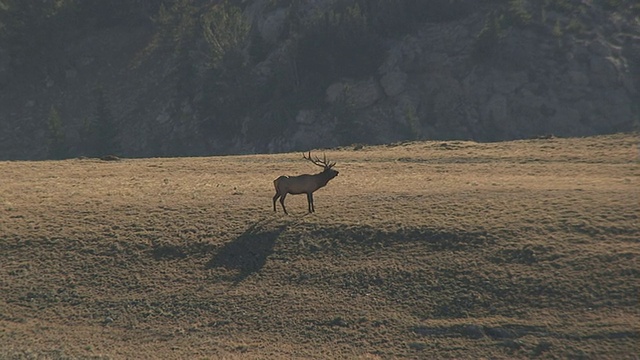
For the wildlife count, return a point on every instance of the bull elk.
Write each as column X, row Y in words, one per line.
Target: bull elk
column 304, row 184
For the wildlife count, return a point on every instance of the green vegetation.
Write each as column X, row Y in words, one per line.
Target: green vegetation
column 225, row 31
column 489, row 37
column 528, row 13
column 519, row 12
column 239, row 84
column 557, row 29
column 413, row 123
column 575, row 26
column 348, row 128
column 57, row 142
column 561, row 6
column 105, row 129
column 33, row 31
column 345, row 40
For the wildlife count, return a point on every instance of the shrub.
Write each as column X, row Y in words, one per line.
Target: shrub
column 226, row 32
column 489, row 37
column 337, row 44
column 561, row 6
column 58, row 148
column 519, row 15
column 99, row 134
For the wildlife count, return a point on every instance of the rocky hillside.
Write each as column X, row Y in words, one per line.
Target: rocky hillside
column 204, row 77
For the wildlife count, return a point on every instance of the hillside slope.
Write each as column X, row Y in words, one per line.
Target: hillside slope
column 198, row 78
column 420, row 249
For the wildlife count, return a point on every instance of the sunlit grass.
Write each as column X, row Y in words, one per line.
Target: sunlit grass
column 426, row 249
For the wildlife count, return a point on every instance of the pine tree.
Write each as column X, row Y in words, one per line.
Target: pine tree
column 57, row 144
column 104, row 129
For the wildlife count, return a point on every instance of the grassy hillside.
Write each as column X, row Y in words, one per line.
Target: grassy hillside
column 429, row 249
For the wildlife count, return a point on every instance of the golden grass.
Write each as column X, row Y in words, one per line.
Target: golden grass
column 428, row 249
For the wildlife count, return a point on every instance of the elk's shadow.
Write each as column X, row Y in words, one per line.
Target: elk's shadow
column 248, row 253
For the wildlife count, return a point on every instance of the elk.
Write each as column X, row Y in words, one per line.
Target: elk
column 304, row 184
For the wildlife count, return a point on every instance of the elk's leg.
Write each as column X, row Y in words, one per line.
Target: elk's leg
column 312, row 208
column 275, row 198
column 282, row 203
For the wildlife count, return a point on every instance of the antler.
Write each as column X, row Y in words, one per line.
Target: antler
column 323, row 163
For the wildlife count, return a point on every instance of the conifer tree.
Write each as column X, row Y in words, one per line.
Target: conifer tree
column 57, row 144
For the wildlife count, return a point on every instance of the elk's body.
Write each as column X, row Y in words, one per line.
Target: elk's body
column 303, row 184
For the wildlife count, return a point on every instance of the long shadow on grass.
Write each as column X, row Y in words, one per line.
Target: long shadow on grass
column 248, row 253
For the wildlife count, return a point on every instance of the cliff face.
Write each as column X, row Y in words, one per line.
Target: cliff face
column 474, row 76
column 534, row 84
column 434, row 85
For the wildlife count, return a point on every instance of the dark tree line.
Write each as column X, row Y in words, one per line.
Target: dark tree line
column 346, row 40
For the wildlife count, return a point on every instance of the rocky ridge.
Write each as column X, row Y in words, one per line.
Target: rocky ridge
column 563, row 75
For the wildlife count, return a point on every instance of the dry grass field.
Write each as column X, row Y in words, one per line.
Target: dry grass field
column 524, row 249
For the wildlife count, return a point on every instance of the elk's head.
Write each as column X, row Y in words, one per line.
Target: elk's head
column 328, row 169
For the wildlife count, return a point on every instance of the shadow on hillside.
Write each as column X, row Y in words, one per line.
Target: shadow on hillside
column 248, row 253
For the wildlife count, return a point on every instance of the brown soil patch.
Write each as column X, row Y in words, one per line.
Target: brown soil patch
column 416, row 250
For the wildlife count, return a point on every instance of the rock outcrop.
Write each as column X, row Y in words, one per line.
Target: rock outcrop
column 564, row 74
